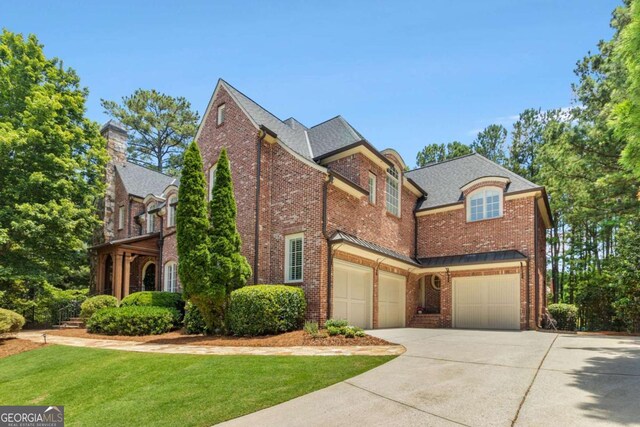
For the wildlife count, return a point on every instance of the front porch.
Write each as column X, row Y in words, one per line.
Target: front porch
column 128, row 265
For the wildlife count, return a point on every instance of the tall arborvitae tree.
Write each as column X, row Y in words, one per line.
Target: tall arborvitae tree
column 229, row 269
column 192, row 233
column 52, row 161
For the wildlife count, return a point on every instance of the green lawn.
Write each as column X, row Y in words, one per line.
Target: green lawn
column 114, row 388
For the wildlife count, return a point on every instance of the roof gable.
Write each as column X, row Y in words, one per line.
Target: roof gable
column 332, row 135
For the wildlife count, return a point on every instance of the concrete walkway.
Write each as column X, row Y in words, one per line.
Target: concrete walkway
column 479, row 378
column 382, row 350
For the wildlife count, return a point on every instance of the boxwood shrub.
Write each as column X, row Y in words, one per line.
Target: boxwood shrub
column 133, row 320
column 154, row 299
column 93, row 304
column 266, row 309
column 10, row 322
column 193, row 321
column 565, row 314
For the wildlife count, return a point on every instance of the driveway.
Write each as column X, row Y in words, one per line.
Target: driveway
column 462, row 377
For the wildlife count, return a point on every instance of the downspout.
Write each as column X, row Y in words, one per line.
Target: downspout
column 325, row 187
column 256, row 244
column 528, row 310
column 415, row 227
column 535, row 259
column 129, row 217
column 160, row 268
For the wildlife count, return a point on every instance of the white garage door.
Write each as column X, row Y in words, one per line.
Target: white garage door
column 391, row 300
column 487, row 302
column 352, row 293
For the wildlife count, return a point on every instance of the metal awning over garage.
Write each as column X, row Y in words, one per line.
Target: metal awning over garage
column 471, row 261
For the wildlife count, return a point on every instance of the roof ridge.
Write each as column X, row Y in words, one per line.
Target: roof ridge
column 351, row 129
column 326, row 121
column 439, row 163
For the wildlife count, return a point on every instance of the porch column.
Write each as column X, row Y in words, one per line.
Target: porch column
column 117, row 275
column 100, row 274
column 127, row 272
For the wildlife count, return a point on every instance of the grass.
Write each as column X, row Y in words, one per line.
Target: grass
column 107, row 387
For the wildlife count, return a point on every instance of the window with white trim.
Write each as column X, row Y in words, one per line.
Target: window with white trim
column 151, row 218
column 372, row 188
column 121, row 217
column 212, row 179
column 221, row 110
column 171, row 211
column 171, row 277
column 293, row 257
column 485, row 203
column 393, row 191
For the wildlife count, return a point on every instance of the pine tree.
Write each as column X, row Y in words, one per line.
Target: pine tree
column 192, row 227
column 229, row 269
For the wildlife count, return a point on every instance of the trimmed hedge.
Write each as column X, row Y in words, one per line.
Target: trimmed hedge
column 266, row 309
column 565, row 314
column 154, row 299
column 93, row 304
column 133, row 320
column 10, row 322
column 193, row 320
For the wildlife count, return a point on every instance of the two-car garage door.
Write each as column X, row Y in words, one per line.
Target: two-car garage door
column 487, row 302
column 353, row 296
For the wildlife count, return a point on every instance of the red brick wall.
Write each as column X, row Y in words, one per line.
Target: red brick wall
column 122, row 199
column 371, row 222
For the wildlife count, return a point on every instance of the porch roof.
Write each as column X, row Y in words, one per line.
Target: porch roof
column 342, row 237
column 126, row 241
column 468, row 259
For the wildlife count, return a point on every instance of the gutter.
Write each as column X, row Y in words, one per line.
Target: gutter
column 325, row 186
column 363, row 143
column 535, row 260
column 415, row 226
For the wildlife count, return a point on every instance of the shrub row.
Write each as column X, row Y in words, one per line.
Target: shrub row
column 93, row 304
column 133, row 320
column 565, row 314
column 10, row 322
column 342, row 327
column 154, row 299
column 266, row 309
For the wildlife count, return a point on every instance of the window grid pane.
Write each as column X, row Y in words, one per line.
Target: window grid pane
column 295, row 259
column 477, row 211
column 493, row 205
column 392, row 192
column 372, row 189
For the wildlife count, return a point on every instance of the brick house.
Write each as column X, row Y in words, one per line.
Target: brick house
column 459, row 243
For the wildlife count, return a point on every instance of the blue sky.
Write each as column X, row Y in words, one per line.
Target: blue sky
column 405, row 74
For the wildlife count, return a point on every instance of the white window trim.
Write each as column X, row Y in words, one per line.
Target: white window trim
column 170, row 277
column 287, row 252
column 212, row 178
column 483, row 193
column 386, row 194
column 220, row 116
column 121, row 214
column 372, row 191
column 171, row 211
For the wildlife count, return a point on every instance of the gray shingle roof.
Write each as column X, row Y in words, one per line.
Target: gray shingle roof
column 332, row 135
column 442, row 181
column 479, row 258
column 341, row 236
column 294, row 137
column 140, row 181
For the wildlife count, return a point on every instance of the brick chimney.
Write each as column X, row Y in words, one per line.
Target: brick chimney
column 116, row 136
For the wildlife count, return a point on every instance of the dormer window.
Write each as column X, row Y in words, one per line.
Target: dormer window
column 221, row 110
column 484, row 203
column 150, row 218
column 393, row 191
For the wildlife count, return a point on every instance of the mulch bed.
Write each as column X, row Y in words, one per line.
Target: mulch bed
column 11, row 346
column 289, row 339
column 612, row 333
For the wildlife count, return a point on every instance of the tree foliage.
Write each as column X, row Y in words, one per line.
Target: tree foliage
column 439, row 152
column 192, row 227
column 160, row 126
column 52, row 162
column 229, row 269
column 491, row 143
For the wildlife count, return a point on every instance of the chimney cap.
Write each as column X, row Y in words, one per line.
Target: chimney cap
column 113, row 125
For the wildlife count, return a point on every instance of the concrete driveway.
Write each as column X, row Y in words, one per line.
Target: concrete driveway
column 476, row 378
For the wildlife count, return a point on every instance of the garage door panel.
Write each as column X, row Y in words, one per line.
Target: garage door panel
column 353, row 288
column 391, row 300
column 487, row 302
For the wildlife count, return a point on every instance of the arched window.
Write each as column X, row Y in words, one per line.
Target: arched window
column 171, row 277
column 485, row 203
column 171, row 211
